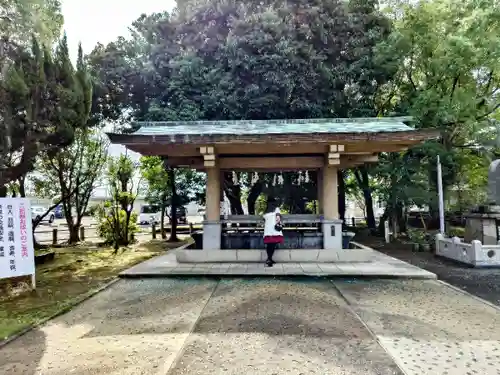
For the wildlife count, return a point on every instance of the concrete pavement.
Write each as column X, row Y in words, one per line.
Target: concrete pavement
column 265, row 326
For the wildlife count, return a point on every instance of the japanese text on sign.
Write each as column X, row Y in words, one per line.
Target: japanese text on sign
column 16, row 241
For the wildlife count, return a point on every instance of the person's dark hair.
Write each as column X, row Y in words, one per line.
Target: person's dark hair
column 272, row 204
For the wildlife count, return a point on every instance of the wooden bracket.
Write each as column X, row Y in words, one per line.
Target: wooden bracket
column 334, row 154
column 209, row 158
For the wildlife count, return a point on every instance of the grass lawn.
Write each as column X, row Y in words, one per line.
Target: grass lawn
column 62, row 282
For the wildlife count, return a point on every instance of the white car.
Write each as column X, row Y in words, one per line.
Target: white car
column 149, row 214
column 38, row 211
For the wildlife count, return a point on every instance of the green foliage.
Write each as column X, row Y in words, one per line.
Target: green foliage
column 221, row 59
column 42, row 103
column 72, row 174
column 446, row 56
column 190, row 184
column 116, row 220
column 114, row 226
column 456, row 232
column 437, row 60
column 469, row 187
column 417, row 236
column 21, row 19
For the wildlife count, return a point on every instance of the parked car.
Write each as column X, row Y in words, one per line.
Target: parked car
column 38, row 211
column 59, row 212
column 149, row 214
column 181, row 215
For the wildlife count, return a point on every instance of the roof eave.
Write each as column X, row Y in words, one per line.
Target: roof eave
column 410, row 135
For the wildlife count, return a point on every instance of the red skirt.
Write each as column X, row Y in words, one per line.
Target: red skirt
column 273, row 239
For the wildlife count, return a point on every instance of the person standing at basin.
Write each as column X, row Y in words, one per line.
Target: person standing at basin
column 273, row 230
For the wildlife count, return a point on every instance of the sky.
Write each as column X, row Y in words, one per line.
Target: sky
column 93, row 21
column 102, row 21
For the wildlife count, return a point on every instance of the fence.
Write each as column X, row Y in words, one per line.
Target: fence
column 58, row 235
column 475, row 253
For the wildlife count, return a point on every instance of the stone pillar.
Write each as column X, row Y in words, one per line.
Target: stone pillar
column 330, row 193
column 319, row 182
column 332, row 226
column 212, row 225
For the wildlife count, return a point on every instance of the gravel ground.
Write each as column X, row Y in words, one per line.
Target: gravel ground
column 265, row 326
column 483, row 283
column 280, row 327
column 429, row 328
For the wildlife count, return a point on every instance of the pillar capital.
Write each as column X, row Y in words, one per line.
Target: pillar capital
column 209, row 157
column 333, row 156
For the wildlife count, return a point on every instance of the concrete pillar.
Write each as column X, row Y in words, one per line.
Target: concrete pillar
column 213, row 194
column 212, row 226
column 330, row 193
column 319, row 182
column 332, row 226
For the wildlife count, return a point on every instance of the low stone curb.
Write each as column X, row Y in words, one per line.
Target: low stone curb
column 195, row 274
column 78, row 300
column 479, row 299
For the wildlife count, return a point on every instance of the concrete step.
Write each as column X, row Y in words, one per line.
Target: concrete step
column 280, row 255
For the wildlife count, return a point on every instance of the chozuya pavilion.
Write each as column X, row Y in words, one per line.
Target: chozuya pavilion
column 323, row 145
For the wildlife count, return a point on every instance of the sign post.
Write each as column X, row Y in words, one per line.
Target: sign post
column 440, row 196
column 17, row 253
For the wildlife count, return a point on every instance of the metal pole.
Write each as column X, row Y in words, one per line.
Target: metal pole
column 440, row 195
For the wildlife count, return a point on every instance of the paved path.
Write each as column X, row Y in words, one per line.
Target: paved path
column 265, row 326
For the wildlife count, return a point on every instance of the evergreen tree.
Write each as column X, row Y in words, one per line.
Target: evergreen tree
column 42, row 101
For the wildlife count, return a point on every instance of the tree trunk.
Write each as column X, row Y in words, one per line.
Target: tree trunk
column 401, row 218
column 162, row 220
column 253, row 195
column 233, row 193
column 342, row 198
column 383, row 218
column 22, row 187
column 74, row 234
column 364, row 183
column 173, row 213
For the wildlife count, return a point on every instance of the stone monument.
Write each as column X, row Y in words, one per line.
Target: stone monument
column 494, row 186
column 482, row 224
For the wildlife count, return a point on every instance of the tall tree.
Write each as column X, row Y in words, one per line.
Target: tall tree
column 224, row 59
column 42, row 99
column 23, row 19
column 448, row 73
column 73, row 174
column 116, row 218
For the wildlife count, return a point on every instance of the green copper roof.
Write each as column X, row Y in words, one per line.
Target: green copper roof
column 253, row 127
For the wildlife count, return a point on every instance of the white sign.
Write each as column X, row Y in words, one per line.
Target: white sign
column 17, row 254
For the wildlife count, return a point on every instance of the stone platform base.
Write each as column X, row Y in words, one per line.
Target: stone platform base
column 281, row 256
column 360, row 262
